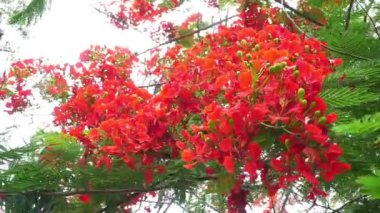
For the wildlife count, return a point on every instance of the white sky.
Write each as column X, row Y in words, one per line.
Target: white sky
column 70, row 27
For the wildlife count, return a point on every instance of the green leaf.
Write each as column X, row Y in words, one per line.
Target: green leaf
column 187, row 37
column 222, row 185
column 347, row 97
column 370, row 184
column 32, row 11
column 365, row 125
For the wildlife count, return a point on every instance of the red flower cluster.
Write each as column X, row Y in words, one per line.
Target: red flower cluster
column 131, row 13
column 254, row 95
column 13, row 84
column 243, row 98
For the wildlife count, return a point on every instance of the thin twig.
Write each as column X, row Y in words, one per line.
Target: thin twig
column 347, row 203
column 8, row 51
column 207, row 204
column 299, row 13
column 370, row 18
column 77, row 192
column 345, row 53
column 347, row 24
column 152, row 85
column 170, row 204
column 325, row 46
column 285, row 201
column 187, row 35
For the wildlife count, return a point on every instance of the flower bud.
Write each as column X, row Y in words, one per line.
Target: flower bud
column 307, row 48
column 323, row 120
column 304, row 102
column 301, row 93
column 249, row 56
column 243, row 42
column 239, row 53
column 296, row 73
column 257, row 47
column 287, row 143
column 277, row 67
column 312, row 105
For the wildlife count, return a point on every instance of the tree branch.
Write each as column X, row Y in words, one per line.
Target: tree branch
column 325, row 46
column 299, row 13
column 347, row 203
column 187, row 34
column 77, row 192
column 370, row 18
column 285, row 201
column 347, row 24
column 153, row 85
column 5, row 50
column 345, row 53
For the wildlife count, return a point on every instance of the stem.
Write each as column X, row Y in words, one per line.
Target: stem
column 187, row 34
column 5, row 50
column 299, row 13
column 153, row 85
column 325, row 46
column 285, row 201
column 349, row 202
column 345, row 53
column 370, row 18
column 349, row 14
column 77, row 192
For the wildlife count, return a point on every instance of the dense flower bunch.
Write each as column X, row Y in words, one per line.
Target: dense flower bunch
column 132, row 13
column 13, row 85
column 254, row 98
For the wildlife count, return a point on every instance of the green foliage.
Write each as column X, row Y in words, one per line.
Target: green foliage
column 50, row 163
column 371, row 184
column 353, row 92
column 346, row 97
column 367, row 125
column 30, row 13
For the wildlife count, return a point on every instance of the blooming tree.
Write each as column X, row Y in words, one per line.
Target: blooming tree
column 236, row 108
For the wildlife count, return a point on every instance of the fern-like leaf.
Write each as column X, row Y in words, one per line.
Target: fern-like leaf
column 347, row 97
column 33, row 10
column 367, row 125
column 365, row 74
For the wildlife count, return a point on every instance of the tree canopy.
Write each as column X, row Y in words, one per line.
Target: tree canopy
column 272, row 107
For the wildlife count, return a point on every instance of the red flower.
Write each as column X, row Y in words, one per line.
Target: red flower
column 148, row 175
column 331, row 118
column 188, row 155
column 229, row 164
column 85, row 198
column 226, row 145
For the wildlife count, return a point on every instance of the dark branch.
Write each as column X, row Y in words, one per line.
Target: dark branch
column 325, row 46
column 285, row 201
column 347, row 203
column 299, row 13
column 187, row 34
column 5, row 50
column 371, row 20
column 345, row 53
column 347, row 24
column 77, row 192
column 152, row 85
